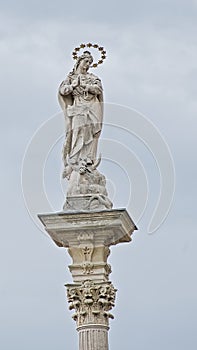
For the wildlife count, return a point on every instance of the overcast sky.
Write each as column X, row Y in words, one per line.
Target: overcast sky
column 150, row 67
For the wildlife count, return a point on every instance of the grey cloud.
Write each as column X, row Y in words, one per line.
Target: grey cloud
column 161, row 12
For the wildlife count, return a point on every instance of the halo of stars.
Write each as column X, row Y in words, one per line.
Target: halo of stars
column 94, row 46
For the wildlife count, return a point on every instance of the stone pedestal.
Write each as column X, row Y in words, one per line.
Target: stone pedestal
column 88, row 235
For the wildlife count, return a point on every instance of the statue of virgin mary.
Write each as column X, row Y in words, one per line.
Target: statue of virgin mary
column 81, row 99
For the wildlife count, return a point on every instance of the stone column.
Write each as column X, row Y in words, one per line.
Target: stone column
column 92, row 302
column 88, row 236
column 93, row 338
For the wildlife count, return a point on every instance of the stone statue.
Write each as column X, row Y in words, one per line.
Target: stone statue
column 87, row 227
column 81, row 99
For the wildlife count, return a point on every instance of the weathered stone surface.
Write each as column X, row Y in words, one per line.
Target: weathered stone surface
column 93, row 337
column 94, row 201
column 88, row 236
column 91, row 301
column 81, row 99
column 108, row 226
column 88, row 225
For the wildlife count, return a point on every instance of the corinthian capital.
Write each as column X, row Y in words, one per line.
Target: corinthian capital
column 92, row 302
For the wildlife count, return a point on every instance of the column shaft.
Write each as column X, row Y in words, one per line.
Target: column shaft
column 93, row 338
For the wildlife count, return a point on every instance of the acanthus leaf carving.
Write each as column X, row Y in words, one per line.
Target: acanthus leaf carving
column 91, row 302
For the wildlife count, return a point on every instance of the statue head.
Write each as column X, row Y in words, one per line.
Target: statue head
column 86, row 56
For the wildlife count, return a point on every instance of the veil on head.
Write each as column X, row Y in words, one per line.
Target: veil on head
column 86, row 54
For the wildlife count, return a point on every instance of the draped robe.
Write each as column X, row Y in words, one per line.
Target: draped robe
column 83, row 111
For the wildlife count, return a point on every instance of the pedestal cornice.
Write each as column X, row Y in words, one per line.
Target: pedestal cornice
column 109, row 227
column 88, row 236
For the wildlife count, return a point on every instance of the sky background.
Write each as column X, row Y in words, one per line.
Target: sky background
column 150, row 67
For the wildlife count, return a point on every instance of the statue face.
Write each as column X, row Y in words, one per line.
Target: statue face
column 85, row 64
